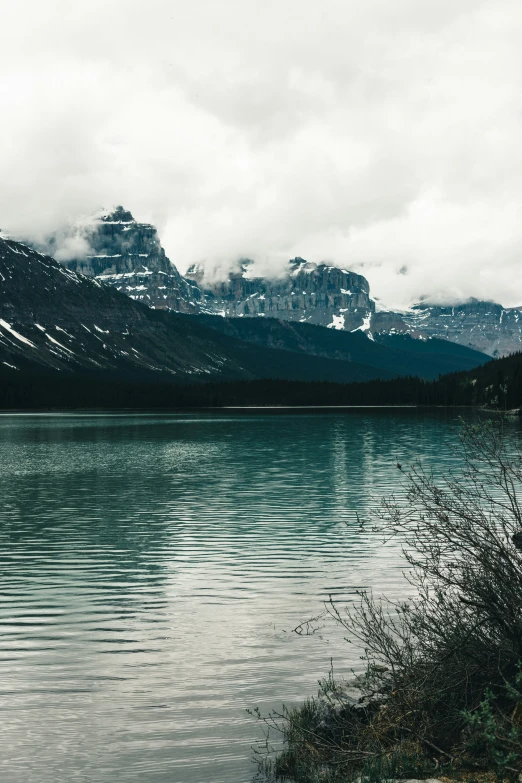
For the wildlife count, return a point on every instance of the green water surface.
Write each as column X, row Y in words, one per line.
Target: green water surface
column 152, row 568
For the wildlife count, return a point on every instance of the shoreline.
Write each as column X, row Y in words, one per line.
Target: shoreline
column 147, row 411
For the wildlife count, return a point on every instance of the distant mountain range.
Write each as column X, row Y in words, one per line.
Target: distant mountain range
column 55, row 321
column 486, row 326
column 128, row 255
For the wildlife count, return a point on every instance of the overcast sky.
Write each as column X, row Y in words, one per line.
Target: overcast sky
column 381, row 135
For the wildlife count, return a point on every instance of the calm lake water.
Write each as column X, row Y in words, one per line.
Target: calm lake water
column 152, row 568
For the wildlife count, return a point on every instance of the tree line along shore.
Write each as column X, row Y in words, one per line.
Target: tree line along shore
column 496, row 385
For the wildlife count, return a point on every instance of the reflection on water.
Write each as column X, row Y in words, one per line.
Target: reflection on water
column 152, row 568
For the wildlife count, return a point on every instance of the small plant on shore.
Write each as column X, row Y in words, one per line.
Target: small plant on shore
column 496, row 728
column 443, row 669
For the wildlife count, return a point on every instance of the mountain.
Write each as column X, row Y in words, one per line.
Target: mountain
column 484, row 326
column 332, row 297
column 53, row 319
column 307, row 292
column 128, row 255
column 56, row 323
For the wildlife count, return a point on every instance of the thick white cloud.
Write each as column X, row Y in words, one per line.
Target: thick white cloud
column 382, row 136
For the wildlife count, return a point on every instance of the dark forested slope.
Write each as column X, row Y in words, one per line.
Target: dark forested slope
column 394, row 354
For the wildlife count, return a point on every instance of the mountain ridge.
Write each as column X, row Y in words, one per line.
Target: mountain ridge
column 54, row 319
column 128, row 256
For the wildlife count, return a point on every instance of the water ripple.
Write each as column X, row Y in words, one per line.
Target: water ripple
column 152, row 568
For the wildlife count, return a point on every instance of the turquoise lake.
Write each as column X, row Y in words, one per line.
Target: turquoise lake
column 152, row 568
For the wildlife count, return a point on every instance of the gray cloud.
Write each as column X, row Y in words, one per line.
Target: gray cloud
column 374, row 135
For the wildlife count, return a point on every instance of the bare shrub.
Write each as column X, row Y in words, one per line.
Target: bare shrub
column 445, row 664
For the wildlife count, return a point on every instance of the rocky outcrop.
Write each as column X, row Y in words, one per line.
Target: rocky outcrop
column 484, row 326
column 128, row 255
column 307, row 292
column 338, row 299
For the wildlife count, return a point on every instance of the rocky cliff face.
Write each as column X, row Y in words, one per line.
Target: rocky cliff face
column 307, row 292
column 484, row 326
column 339, row 299
column 128, row 255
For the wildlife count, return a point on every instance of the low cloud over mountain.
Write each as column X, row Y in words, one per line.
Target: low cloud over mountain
column 381, row 137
